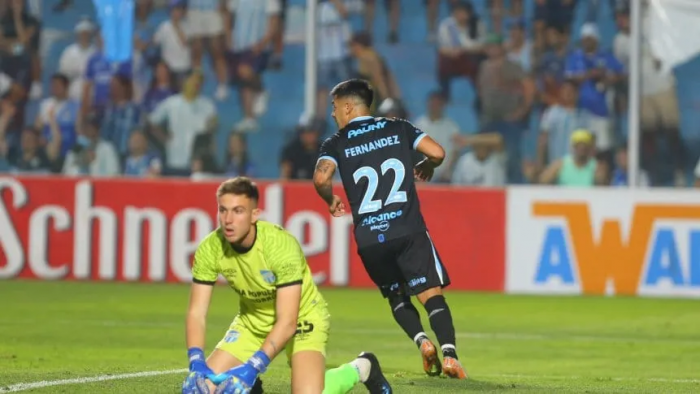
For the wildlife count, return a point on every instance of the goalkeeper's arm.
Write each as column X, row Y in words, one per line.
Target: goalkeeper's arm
column 286, row 315
column 200, row 296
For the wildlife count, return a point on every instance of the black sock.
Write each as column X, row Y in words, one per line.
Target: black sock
column 408, row 318
column 441, row 323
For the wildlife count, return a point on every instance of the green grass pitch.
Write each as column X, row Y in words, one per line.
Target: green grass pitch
column 511, row 344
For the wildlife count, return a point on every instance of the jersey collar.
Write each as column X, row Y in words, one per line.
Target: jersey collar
column 361, row 118
column 241, row 250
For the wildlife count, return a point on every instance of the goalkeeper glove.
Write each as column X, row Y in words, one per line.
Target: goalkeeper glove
column 245, row 374
column 198, row 363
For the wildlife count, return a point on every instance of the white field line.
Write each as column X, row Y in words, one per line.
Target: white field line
column 508, row 336
column 102, row 378
column 94, row 379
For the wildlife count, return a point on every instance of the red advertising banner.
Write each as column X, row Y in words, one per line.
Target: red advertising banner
column 148, row 230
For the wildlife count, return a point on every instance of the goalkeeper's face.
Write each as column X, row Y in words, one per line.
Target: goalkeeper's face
column 237, row 215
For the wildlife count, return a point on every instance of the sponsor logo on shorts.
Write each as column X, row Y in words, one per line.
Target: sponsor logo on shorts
column 417, row 281
column 268, row 276
column 231, row 336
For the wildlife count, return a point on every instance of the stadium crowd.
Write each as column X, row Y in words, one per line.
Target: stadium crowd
column 551, row 108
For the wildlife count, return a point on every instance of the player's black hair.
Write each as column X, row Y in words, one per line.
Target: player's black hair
column 61, row 77
column 358, row 88
column 240, row 186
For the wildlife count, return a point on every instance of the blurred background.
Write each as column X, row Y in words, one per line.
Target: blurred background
column 518, row 91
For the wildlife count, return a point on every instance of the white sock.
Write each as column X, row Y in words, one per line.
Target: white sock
column 363, row 366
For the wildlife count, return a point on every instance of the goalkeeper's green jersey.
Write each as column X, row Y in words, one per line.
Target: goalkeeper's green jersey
column 275, row 260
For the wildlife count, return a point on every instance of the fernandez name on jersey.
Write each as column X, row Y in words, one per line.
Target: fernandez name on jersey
column 375, row 159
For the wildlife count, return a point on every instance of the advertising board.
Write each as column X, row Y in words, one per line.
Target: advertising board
column 147, row 230
column 603, row 241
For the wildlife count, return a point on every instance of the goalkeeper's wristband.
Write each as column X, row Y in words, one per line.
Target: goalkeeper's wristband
column 259, row 361
column 195, row 354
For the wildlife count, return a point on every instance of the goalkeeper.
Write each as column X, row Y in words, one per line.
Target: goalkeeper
column 280, row 307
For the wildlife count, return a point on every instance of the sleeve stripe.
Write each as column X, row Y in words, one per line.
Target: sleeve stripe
column 203, row 282
column 327, row 158
column 296, row 282
column 420, row 137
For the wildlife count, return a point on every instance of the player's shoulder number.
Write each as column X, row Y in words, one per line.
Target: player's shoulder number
column 369, row 204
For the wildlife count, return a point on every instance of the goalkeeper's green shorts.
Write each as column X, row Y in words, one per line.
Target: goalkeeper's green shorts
column 312, row 335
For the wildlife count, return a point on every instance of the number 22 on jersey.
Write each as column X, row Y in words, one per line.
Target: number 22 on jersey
column 369, row 205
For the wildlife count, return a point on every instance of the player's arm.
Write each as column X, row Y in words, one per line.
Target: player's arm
column 286, row 314
column 204, row 275
column 323, row 178
column 433, row 152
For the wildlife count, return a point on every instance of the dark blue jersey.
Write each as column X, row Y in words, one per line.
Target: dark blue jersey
column 375, row 158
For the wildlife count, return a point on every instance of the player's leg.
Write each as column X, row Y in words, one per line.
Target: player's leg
column 237, row 346
column 380, row 262
column 308, row 370
column 365, row 368
column 306, row 351
column 425, row 277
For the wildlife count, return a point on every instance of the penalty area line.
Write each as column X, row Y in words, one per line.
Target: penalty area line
column 12, row 388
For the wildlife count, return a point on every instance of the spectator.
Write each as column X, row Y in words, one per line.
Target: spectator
column 442, row 129
column 7, row 112
column 121, row 115
column 460, row 46
column 659, row 115
column 514, row 17
column 92, row 155
column 372, row 67
column 551, row 65
column 140, row 162
column 394, row 13
column 145, row 53
column 506, row 95
column 595, row 71
column 237, row 157
column 32, row 158
column 432, row 9
column 162, row 87
column 172, row 39
column 619, row 176
column 579, row 168
column 250, row 42
column 98, row 79
column 19, row 46
column 299, row 156
column 65, row 111
column 185, row 115
column 75, row 57
column 485, row 165
column 14, row 96
column 519, row 47
column 206, row 27
column 559, row 122
column 333, row 57
column 203, row 167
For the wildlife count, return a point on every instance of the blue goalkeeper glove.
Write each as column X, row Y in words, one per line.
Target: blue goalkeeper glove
column 195, row 383
column 239, row 379
column 198, row 363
